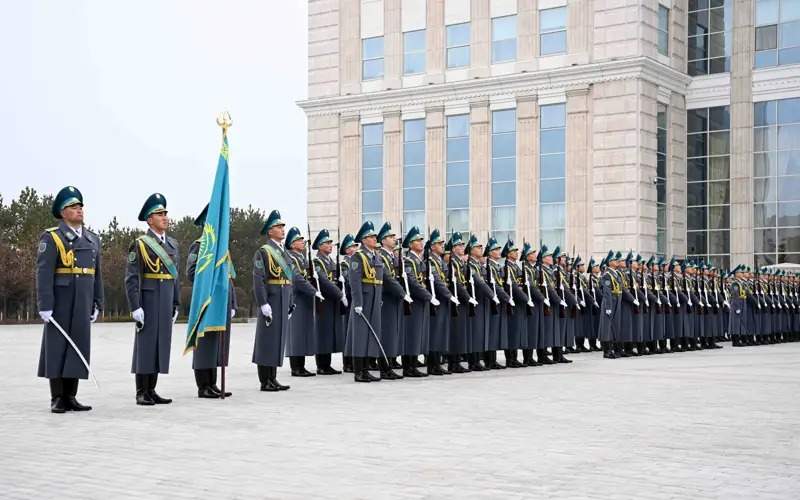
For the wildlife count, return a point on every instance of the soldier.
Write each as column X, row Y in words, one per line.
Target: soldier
column 417, row 325
column 302, row 339
column 153, row 290
column 460, row 319
column 738, row 311
column 518, row 313
column 610, row 307
column 366, row 282
column 630, row 307
column 347, row 247
column 554, row 327
column 482, row 293
column 395, row 301
column 583, row 320
column 536, row 305
column 592, row 287
column 272, row 288
column 657, row 307
column 209, row 354
column 670, row 307
column 328, row 311
column 497, row 334
column 439, row 336
column 642, row 320
column 69, row 290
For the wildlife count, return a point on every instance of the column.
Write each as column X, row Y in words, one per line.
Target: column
column 527, row 169
column 481, row 42
column 435, row 41
column 393, row 45
column 435, row 167
column 350, row 171
column 350, row 47
column 479, row 168
column 393, row 167
column 578, row 198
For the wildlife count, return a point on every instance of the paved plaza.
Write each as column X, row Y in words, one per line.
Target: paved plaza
column 710, row 424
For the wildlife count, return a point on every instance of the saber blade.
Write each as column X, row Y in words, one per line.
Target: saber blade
column 78, row 351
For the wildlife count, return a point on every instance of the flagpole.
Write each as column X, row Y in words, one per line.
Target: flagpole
column 224, row 121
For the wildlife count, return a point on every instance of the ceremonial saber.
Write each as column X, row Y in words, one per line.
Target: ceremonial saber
column 375, row 335
column 53, row 321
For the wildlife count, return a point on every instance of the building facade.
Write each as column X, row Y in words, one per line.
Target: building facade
column 665, row 126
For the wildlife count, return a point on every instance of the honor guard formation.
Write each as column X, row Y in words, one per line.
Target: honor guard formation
column 383, row 300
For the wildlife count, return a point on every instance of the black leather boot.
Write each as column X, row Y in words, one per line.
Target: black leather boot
column 201, row 378
column 541, row 357
column 347, row 364
column 558, row 355
column 154, row 395
column 360, row 371
column 70, row 390
column 297, row 364
column 143, row 390
column 386, row 371
column 511, row 359
column 57, row 403
column 265, row 377
column 273, row 373
column 212, row 376
column 324, row 365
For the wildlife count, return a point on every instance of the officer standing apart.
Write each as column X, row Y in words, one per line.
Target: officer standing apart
column 153, row 290
column 366, row 283
column 69, row 290
column 328, row 311
column 209, row 354
column 272, row 287
column 394, row 298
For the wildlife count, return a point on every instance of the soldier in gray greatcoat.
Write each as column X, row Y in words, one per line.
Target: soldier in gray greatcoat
column 347, row 247
column 153, row 291
column 480, row 291
column 394, row 298
column 440, row 315
column 518, row 313
column 416, row 327
column 69, row 289
column 610, row 307
column 366, row 283
column 550, row 331
column 459, row 321
column 530, row 256
column 737, row 316
column 209, row 354
column 302, row 339
column 272, row 288
column 497, row 334
column 329, row 312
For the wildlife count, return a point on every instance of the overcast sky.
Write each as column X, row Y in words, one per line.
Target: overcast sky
column 119, row 99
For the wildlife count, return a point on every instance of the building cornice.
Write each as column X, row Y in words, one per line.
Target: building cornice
column 518, row 84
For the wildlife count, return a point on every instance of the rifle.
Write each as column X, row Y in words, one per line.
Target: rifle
column 340, row 282
column 542, row 283
column 666, row 287
column 430, row 279
column 401, row 272
column 592, row 291
column 686, row 286
column 560, row 281
column 312, row 270
column 490, row 279
column 529, row 305
column 453, row 279
column 509, row 277
column 635, row 288
column 699, row 295
column 471, row 280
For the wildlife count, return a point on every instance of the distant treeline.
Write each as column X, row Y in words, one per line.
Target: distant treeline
column 23, row 220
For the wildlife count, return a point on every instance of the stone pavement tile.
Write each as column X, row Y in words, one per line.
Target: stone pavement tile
column 709, row 424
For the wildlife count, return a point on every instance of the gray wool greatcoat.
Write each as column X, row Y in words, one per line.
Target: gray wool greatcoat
column 328, row 311
column 479, row 324
column 459, row 324
column 535, row 319
column 72, row 296
column 302, row 339
column 440, row 316
column 550, row 331
column 518, row 319
column 158, row 297
column 366, row 285
column 416, row 327
column 207, row 355
column 272, row 286
column 737, row 317
column 497, row 335
column 610, row 301
column 392, row 317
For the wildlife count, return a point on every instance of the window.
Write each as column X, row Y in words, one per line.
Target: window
column 504, row 39
column 504, row 173
column 553, row 31
column 552, row 174
column 663, row 30
column 661, row 180
column 458, row 45
column 710, row 36
column 372, row 58
column 708, row 185
column 414, row 52
column 457, row 174
column 777, row 32
column 414, row 173
column 372, row 173
column 776, row 181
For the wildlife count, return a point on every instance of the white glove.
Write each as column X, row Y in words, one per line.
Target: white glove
column 454, row 300
column 344, row 300
column 608, row 312
column 358, row 309
column 511, row 302
column 496, row 300
column 547, row 302
column 563, row 303
column 319, row 296
column 233, row 313
column 46, row 315
column 435, row 301
column 175, row 315
column 636, row 302
column 138, row 315
column 473, row 301
column 408, row 299
column 583, row 303
column 94, row 315
column 738, row 311
column 266, row 310
column 530, row 303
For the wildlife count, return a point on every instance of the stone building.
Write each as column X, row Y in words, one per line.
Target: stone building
column 666, row 126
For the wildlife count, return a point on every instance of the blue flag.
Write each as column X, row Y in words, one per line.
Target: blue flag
column 209, row 307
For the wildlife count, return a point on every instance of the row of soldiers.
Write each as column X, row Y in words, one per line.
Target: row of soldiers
column 379, row 298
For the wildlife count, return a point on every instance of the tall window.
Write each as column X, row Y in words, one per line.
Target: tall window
column 504, row 173
column 552, row 173
column 553, row 31
column 372, row 173
column 777, row 32
column 710, row 37
column 458, row 45
column 457, row 176
column 708, row 184
column 776, row 172
column 414, row 173
column 661, row 180
column 414, row 52
column 663, row 30
column 372, row 58
column 504, row 39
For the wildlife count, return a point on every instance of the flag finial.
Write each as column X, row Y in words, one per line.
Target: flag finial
column 224, row 121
